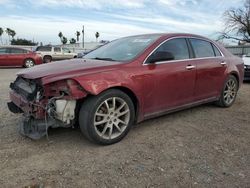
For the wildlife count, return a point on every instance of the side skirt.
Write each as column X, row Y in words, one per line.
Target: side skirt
column 179, row 108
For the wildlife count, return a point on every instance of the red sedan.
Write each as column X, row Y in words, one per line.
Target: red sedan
column 126, row 81
column 17, row 57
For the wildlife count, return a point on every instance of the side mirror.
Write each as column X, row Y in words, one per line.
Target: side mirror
column 161, row 56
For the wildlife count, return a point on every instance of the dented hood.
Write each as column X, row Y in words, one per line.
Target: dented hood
column 67, row 69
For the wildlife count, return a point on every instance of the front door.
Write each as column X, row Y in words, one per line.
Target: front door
column 169, row 84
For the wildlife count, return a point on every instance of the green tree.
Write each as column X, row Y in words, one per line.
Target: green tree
column 77, row 35
column 1, row 33
column 60, row 35
column 72, row 41
column 23, row 42
column 237, row 23
column 12, row 33
column 8, row 31
column 64, row 40
column 97, row 35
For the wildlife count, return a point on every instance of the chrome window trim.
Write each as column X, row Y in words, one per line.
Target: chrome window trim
column 182, row 37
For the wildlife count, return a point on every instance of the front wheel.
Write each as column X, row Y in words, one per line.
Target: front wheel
column 107, row 118
column 229, row 92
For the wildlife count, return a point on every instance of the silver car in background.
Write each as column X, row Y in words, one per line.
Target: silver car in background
column 52, row 53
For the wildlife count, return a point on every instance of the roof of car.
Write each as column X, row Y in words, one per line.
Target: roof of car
column 172, row 35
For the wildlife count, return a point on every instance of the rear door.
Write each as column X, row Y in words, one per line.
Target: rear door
column 4, row 56
column 57, row 55
column 16, row 56
column 67, row 53
column 169, row 84
column 211, row 67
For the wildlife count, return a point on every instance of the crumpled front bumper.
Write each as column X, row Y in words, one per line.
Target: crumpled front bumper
column 18, row 104
column 28, row 125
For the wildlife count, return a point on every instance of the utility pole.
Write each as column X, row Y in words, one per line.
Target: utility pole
column 83, row 36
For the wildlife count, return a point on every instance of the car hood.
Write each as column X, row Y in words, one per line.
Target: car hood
column 67, row 69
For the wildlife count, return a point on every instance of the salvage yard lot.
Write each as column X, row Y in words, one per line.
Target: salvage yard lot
column 204, row 146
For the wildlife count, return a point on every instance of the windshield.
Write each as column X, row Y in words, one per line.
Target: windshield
column 123, row 49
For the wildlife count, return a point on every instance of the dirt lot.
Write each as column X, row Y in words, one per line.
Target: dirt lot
column 204, row 146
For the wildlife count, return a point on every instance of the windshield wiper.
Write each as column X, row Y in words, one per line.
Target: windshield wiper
column 103, row 58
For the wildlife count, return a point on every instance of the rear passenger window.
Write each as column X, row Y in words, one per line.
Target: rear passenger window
column 16, row 51
column 177, row 47
column 56, row 49
column 43, row 49
column 216, row 51
column 202, row 48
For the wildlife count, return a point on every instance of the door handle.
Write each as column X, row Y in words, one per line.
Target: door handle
column 223, row 63
column 190, row 67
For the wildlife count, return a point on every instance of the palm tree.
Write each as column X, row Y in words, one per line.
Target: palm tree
column 8, row 31
column 1, row 33
column 64, row 40
column 12, row 33
column 77, row 35
column 97, row 35
column 60, row 35
column 72, row 41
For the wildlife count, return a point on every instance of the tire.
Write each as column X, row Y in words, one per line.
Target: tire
column 29, row 63
column 229, row 92
column 47, row 59
column 103, row 124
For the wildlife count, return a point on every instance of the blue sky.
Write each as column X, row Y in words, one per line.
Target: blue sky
column 42, row 20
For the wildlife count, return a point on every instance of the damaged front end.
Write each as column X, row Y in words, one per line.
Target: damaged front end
column 43, row 106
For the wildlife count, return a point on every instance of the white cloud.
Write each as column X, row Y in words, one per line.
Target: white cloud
column 90, row 4
column 47, row 29
column 114, row 18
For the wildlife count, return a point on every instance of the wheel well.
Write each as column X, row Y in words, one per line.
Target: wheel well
column 123, row 89
column 47, row 56
column 236, row 76
column 132, row 97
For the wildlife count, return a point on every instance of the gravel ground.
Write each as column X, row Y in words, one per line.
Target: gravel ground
column 204, row 146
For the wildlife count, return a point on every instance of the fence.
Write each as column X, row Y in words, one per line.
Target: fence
column 239, row 50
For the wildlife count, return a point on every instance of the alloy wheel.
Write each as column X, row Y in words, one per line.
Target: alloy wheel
column 111, row 118
column 230, row 91
column 29, row 63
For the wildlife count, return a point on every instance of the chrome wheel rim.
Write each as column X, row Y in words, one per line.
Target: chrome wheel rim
column 111, row 118
column 230, row 91
column 29, row 63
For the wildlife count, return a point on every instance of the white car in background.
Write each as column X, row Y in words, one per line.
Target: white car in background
column 51, row 53
column 246, row 59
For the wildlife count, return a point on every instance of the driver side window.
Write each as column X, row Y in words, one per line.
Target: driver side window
column 177, row 47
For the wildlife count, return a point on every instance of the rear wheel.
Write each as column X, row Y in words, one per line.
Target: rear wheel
column 107, row 118
column 29, row 63
column 47, row 59
column 229, row 92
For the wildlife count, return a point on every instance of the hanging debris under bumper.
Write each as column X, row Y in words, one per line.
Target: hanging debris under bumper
column 34, row 129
